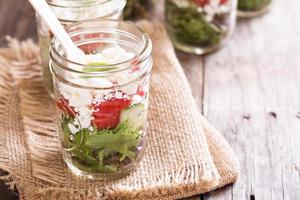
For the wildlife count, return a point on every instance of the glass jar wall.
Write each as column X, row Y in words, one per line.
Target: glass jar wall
column 252, row 8
column 200, row 26
column 102, row 105
column 70, row 11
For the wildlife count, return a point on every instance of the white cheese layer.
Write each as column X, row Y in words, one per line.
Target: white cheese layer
column 82, row 98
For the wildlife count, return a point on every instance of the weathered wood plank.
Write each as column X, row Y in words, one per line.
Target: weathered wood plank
column 251, row 94
column 193, row 67
column 192, row 198
column 220, row 194
column 17, row 19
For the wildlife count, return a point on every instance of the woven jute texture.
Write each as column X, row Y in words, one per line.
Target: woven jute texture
column 185, row 156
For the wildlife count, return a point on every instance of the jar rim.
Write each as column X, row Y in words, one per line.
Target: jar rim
column 89, row 3
column 139, row 57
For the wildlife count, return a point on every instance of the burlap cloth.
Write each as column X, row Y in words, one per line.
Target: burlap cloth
column 185, row 155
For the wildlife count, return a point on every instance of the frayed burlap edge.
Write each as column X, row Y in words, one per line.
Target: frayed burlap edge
column 6, row 85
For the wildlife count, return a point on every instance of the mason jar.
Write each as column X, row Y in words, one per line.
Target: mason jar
column 252, row 8
column 71, row 11
column 200, row 26
column 102, row 105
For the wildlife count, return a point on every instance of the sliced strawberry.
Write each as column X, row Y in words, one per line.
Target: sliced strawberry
column 114, row 104
column 63, row 104
column 100, row 115
column 201, row 2
column 107, row 114
column 106, row 123
column 223, row 2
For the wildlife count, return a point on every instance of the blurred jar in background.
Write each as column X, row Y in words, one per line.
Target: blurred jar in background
column 70, row 11
column 252, row 8
column 200, row 26
column 136, row 9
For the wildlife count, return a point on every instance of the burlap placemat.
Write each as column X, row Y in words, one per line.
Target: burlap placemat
column 185, row 155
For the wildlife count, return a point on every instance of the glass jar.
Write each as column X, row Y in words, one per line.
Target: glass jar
column 252, row 8
column 200, row 26
column 70, row 11
column 135, row 9
column 102, row 105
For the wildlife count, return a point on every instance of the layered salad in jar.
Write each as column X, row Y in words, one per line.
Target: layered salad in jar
column 102, row 119
column 202, row 24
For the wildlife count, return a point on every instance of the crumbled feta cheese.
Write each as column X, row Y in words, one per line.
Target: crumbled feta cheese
column 80, row 99
column 130, row 88
column 199, row 9
column 116, row 54
column 214, row 3
column 94, row 82
column 209, row 9
column 119, row 95
column 73, row 129
column 71, row 137
column 209, row 18
column 137, row 99
column 93, row 58
column 224, row 9
column 99, row 95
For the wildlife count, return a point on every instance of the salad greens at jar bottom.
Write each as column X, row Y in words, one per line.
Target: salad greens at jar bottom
column 202, row 24
column 104, row 150
column 108, row 140
column 103, row 131
column 253, row 5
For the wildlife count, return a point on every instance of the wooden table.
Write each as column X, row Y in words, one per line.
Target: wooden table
column 249, row 90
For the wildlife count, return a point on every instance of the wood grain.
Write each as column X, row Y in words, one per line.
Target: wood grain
column 194, row 69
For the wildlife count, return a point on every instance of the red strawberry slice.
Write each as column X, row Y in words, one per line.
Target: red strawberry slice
column 106, row 123
column 223, row 2
column 63, row 104
column 114, row 104
column 201, row 2
column 107, row 114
